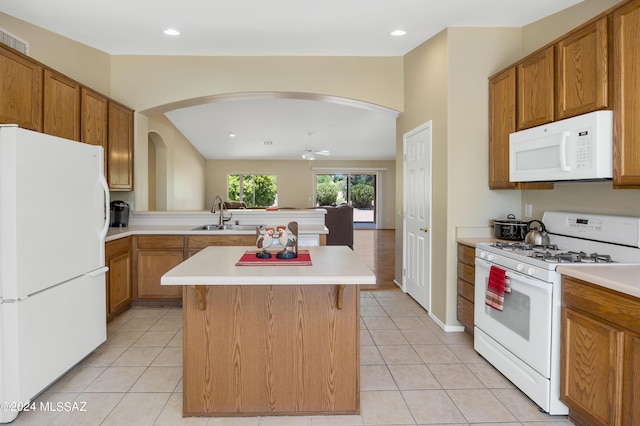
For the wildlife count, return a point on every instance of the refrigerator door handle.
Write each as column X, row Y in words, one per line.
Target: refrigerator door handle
column 107, row 209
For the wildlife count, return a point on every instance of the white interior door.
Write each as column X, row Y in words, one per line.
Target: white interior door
column 417, row 215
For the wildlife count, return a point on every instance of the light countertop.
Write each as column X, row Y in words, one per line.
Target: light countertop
column 622, row 278
column 115, row 233
column 216, row 265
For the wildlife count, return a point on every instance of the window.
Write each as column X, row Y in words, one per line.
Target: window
column 254, row 190
column 356, row 189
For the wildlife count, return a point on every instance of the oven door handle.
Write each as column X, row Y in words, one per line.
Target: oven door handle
column 540, row 285
column 515, row 276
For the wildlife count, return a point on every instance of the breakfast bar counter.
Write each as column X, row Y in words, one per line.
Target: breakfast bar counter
column 277, row 339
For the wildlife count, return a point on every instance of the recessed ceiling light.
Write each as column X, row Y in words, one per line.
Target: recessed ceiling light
column 398, row 33
column 232, row 135
column 171, row 32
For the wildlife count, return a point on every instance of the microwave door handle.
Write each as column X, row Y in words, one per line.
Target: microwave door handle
column 563, row 152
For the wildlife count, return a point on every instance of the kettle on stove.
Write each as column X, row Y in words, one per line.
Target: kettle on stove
column 537, row 236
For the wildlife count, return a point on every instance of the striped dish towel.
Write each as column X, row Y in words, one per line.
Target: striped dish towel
column 496, row 288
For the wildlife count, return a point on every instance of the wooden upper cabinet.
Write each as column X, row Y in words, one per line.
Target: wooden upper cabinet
column 120, row 144
column 502, row 122
column 93, row 119
column 20, row 90
column 61, row 106
column 626, row 88
column 94, row 110
column 582, row 71
column 535, row 89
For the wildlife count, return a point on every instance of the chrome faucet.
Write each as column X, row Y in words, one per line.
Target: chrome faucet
column 221, row 220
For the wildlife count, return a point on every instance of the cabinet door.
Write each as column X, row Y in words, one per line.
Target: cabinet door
column 93, row 120
column 631, row 391
column 119, row 282
column 151, row 266
column 626, row 69
column 591, row 368
column 582, row 71
column 535, row 90
column 61, row 106
column 502, row 122
column 20, row 91
column 120, row 148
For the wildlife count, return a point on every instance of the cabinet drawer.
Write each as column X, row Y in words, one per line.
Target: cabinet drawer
column 466, row 272
column 160, row 241
column 466, row 254
column 198, row 242
column 466, row 290
column 115, row 247
column 618, row 308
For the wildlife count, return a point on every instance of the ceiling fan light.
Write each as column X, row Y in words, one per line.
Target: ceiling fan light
column 308, row 156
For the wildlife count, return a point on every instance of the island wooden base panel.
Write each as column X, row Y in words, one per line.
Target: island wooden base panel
column 271, row 350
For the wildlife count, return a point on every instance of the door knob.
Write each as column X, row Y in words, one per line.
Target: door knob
column 425, row 229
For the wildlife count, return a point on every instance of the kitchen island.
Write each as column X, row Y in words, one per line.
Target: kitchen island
column 271, row 340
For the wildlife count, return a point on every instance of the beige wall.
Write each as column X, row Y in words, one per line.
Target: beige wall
column 441, row 86
column 296, row 181
column 82, row 63
column 426, row 99
column 185, row 167
column 146, row 82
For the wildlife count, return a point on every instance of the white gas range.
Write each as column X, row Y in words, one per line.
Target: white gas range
column 523, row 339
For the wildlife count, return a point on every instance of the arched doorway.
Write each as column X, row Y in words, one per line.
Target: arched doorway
column 157, row 167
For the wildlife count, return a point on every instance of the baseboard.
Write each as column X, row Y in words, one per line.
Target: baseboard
column 445, row 327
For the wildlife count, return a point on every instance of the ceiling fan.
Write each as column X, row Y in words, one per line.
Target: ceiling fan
column 310, row 154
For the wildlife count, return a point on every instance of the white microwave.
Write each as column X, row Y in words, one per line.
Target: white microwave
column 577, row 148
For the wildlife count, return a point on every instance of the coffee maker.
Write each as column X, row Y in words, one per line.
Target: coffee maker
column 119, row 214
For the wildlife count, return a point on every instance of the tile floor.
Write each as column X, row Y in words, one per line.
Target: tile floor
column 412, row 373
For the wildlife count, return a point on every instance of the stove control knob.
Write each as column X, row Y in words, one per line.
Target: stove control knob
column 531, row 271
column 483, row 255
column 520, row 267
column 490, row 258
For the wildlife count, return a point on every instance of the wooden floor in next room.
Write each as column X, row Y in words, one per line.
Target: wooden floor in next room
column 376, row 247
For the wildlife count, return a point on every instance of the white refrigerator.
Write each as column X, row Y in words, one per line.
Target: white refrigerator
column 54, row 217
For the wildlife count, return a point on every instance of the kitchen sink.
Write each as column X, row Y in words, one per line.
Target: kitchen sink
column 225, row 227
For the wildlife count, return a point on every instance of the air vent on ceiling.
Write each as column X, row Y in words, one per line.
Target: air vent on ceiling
column 14, row 42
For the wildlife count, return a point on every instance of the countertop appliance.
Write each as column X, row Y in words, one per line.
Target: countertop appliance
column 119, row 214
column 52, row 269
column 523, row 340
column 577, row 148
column 510, row 228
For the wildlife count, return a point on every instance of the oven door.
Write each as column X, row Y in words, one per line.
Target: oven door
column 524, row 326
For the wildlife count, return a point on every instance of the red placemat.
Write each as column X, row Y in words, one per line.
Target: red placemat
column 249, row 259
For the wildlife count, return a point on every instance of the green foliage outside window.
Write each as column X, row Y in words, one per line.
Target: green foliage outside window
column 257, row 190
column 362, row 196
column 326, row 194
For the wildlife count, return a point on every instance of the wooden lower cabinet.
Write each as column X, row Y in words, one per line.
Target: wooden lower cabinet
column 258, row 350
column 466, row 286
column 154, row 256
column 600, row 355
column 119, row 276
